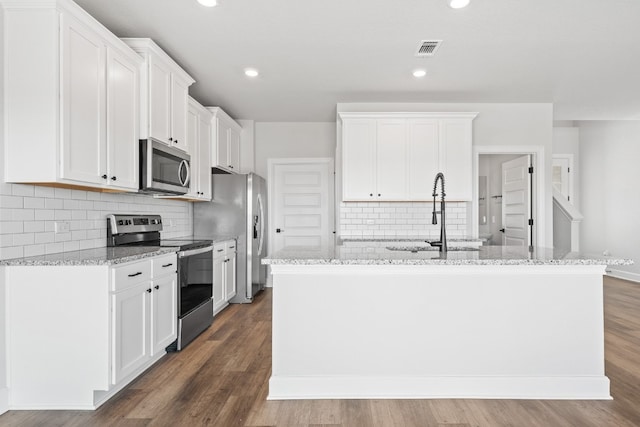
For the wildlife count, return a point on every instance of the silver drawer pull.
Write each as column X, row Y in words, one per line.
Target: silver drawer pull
column 135, row 274
column 167, row 265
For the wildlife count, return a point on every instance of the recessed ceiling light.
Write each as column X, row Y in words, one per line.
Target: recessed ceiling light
column 458, row 4
column 419, row 73
column 251, row 72
column 208, row 3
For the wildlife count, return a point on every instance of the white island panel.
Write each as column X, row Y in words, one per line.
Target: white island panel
column 438, row 331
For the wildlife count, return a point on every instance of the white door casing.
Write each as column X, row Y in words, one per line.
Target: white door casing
column 516, row 202
column 301, row 195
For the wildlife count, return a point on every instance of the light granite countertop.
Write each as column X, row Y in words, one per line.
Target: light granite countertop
column 105, row 255
column 452, row 240
column 96, row 256
column 377, row 253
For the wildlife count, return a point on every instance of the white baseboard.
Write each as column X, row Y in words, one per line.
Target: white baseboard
column 621, row 274
column 449, row 387
column 4, row 400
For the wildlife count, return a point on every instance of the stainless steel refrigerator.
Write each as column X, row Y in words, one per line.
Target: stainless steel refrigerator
column 238, row 208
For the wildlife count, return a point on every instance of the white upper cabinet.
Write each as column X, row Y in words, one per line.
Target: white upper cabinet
column 199, row 137
column 391, row 153
column 226, row 144
column 164, row 96
column 123, row 88
column 71, row 103
column 395, row 156
column 358, row 159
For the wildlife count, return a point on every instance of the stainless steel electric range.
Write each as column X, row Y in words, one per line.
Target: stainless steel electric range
column 195, row 270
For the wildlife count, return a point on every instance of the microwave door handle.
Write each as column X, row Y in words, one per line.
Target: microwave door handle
column 184, row 165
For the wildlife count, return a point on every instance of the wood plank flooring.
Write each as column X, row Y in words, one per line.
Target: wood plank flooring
column 221, row 379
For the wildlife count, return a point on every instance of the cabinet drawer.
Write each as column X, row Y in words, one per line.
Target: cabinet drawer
column 231, row 246
column 219, row 249
column 167, row 264
column 128, row 275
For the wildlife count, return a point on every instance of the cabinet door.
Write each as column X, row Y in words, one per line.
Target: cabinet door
column 204, row 158
column 159, row 100
column 179, row 107
column 456, row 158
column 218, row 283
column 83, row 151
column 233, row 140
column 131, row 330
column 422, row 157
column 358, row 159
column 230, row 279
column 193, row 128
column 122, row 121
column 221, row 158
column 164, row 313
column 391, row 160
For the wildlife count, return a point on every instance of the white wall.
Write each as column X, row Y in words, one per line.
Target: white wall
column 496, row 125
column 290, row 140
column 4, row 399
column 610, row 195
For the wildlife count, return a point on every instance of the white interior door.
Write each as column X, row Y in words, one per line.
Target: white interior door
column 302, row 204
column 562, row 169
column 516, row 202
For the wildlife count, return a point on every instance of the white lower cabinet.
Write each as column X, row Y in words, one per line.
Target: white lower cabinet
column 131, row 330
column 224, row 274
column 80, row 334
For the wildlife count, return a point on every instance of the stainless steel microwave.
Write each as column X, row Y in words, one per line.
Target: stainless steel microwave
column 163, row 169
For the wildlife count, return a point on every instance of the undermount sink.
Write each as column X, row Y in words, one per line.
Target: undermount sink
column 416, row 249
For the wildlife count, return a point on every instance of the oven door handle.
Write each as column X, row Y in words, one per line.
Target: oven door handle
column 190, row 252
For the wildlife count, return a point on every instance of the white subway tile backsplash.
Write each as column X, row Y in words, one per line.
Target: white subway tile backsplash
column 45, row 237
column 28, row 214
column 22, row 190
column 11, row 202
column 44, row 214
column 34, row 202
column 405, row 219
column 47, row 192
column 34, row 250
column 60, row 214
column 33, row 226
column 53, row 203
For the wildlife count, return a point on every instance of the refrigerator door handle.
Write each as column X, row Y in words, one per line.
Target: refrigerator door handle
column 261, row 210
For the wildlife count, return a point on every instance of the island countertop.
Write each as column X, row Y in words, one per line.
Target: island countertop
column 378, row 253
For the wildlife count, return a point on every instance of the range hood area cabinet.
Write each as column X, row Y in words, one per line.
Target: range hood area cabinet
column 164, row 99
column 226, row 137
column 395, row 156
column 71, row 99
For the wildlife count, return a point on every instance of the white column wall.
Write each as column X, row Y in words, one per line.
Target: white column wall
column 610, row 196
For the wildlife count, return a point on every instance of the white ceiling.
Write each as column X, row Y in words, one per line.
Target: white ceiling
column 582, row 55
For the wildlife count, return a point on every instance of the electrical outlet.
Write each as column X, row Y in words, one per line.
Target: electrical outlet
column 62, row 226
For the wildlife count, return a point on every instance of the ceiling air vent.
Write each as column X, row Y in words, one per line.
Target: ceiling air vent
column 428, row 47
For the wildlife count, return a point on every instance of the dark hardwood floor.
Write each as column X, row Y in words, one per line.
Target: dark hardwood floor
column 221, row 379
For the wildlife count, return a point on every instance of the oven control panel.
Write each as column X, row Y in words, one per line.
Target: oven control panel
column 125, row 224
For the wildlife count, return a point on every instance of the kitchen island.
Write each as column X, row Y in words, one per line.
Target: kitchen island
column 359, row 320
